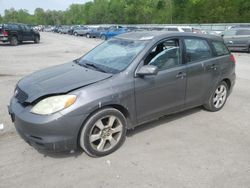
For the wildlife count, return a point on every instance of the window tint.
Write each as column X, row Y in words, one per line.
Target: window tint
column 243, row 32
column 220, row 48
column 197, row 49
column 165, row 55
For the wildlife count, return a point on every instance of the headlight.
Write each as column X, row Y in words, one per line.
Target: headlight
column 53, row 104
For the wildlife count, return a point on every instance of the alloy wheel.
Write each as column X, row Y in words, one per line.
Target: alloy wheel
column 106, row 133
column 220, row 96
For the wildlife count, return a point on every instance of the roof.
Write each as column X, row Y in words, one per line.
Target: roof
column 158, row 35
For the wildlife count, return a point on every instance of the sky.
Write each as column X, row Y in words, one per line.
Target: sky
column 31, row 5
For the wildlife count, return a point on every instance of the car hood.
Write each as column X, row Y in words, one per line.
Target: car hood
column 57, row 80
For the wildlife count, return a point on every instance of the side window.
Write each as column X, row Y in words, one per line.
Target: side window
column 197, row 49
column 23, row 27
column 243, row 32
column 172, row 29
column 165, row 55
column 220, row 48
column 26, row 28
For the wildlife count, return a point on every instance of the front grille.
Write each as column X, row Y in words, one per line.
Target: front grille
column 21, row 95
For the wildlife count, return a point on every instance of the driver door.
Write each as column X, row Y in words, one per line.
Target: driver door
column 163, row 93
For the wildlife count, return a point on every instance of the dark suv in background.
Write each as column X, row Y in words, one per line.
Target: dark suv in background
column 237, row 39
column 16, row 33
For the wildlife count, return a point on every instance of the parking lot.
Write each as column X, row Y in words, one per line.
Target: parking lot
column 195, row 148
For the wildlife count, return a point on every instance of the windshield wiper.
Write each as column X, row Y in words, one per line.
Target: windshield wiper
column 76, row 61
column 94, row 66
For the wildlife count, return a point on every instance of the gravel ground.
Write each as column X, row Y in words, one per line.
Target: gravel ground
column 194, row 148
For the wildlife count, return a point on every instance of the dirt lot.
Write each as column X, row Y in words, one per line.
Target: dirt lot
column 192, row 149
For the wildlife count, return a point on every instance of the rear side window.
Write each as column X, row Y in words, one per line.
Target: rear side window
column 243, row 32
column 186, row 29
column 220, row 48
column 172, row 29
column 197, row 49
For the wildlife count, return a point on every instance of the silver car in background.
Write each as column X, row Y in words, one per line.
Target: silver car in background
column 81, row 31
column 237, row 39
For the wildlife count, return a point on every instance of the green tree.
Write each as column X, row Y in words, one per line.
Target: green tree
column 40, row 16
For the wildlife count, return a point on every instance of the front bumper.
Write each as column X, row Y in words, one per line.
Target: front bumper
column 4, row 39
column 55, row 132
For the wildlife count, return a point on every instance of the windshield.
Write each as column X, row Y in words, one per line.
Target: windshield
column 113, row 56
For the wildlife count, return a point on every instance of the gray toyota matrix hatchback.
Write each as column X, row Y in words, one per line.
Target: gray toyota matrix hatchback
column 124, row 82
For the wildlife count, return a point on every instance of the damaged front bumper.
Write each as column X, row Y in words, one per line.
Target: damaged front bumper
column 56, row 132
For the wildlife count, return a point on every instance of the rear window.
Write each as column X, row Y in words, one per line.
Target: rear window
column 220, row 48
column 197, row 49
column 243, row 32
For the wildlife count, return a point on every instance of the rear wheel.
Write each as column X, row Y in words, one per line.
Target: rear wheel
column 75, row 33
column 103, row 133
column 13, row 41
column 88, row 35
column 218, row 98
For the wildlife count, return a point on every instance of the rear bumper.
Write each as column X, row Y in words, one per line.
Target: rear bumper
column 232, row 80
column 238, row 48
column 55, row 132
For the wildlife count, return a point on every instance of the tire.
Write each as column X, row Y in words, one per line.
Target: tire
column 109, row 136
column 88, row 35
column 36, row 40
column 103, row 37
column 13, row 41
column 75, row 33
column 218, row 98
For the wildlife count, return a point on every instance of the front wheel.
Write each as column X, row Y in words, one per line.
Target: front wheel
column 103, row 133
column 13, row 41
column 36, row 40
column 88, row 35
column 218, row 98
column 103, row 37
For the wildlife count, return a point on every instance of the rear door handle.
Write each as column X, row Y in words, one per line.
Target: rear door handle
column 214, row 67
column 181, row 75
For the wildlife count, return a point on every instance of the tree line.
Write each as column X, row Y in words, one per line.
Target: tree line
column 137, row 12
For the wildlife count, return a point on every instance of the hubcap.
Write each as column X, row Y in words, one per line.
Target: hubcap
column 220, row 96
column 106, row 133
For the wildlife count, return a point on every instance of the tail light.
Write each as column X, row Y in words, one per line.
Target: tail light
column 5, row 34
column 232, row 58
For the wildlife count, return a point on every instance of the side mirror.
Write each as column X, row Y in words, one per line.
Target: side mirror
column 147, row 70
